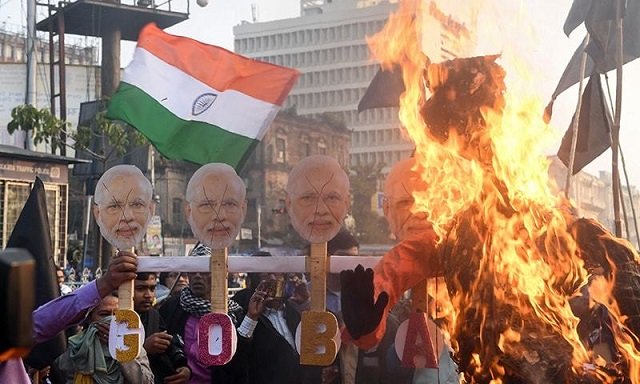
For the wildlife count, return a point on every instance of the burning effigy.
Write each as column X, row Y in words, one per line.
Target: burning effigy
column 532, row 289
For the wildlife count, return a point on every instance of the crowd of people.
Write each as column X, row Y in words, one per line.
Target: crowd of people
column 266, row 312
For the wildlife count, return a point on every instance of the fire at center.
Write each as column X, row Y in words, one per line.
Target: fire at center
column 527, row 282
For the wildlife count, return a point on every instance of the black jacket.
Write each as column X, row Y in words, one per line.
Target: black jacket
column 271, row 359
column 235, row 372
column 163, row 364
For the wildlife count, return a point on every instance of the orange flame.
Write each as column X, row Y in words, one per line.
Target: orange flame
column 529, row 259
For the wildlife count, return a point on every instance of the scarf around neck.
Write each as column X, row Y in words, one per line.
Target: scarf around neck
column 199, row 307
column 91, row 360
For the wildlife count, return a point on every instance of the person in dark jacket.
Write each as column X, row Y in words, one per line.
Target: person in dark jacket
column 181, row 315
column 166, row 355
column 270, row 326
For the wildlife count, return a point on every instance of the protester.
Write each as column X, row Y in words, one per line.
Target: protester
column 215, row 208
column 344, row 368
column 64, row 288
column 354, row 366
column 270, row 325
column 165, row 351
column 170, row 284
column 64, row 311
column 87, row 359
column 181, row 315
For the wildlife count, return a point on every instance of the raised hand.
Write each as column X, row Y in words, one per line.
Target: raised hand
column 361, row 315
column 122, row 268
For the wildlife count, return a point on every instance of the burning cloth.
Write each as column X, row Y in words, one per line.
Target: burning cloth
column 535, row 294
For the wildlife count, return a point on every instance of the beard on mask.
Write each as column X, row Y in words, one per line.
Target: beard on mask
column 120, row 242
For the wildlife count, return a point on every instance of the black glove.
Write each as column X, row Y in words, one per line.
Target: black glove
column 361, row 315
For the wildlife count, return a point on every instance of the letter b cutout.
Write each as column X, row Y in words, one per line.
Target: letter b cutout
column 318, row 338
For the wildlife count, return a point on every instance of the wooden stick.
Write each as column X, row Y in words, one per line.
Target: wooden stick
column 134, row 336
column 318, row 268
column 419, row 297
column 218, row 267
column 576, row 119
column 224, row 339
column 125, row 293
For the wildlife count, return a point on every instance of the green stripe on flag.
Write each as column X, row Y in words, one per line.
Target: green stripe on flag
column 175, row 138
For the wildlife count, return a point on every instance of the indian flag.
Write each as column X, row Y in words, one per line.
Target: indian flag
column 198, row 102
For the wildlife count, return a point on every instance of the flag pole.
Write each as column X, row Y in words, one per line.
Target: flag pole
column 626, row 178
column 615, row 132
column 633, row 210
column 576, row 118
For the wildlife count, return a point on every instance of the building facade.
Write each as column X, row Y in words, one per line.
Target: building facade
column 82, row 77
column 18, row 169
column 327, row 44
column 593, row 197
column 265, row 174
column 12, row 50
column 289, row 139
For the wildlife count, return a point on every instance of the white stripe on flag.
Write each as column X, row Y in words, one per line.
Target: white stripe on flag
column 177, row 91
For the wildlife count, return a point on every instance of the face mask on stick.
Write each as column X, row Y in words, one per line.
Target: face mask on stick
column 317, row 203
column 123, row 208
column 216, row 208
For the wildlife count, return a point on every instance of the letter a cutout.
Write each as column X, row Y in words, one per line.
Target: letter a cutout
column 418, row 351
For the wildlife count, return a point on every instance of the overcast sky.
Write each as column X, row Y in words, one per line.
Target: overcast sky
column 532, row 28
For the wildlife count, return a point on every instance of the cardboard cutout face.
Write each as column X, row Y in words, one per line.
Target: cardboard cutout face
column 216, row 205
column 317, row 198
column 398, row 205
column 123, row 206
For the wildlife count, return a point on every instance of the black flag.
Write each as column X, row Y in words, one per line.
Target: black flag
column 599, row 19
column 594, row 128
column 384, row 90
column 32, row 232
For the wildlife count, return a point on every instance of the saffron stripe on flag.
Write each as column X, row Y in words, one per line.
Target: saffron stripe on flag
column 177, row 91
column 231, row 71
column 175, row 137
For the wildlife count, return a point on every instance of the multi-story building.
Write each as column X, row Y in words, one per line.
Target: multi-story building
column 82, row 79
column 19, row 166
column 12, row 50
column 593, row 197
column 289, row 139
column 328, row 45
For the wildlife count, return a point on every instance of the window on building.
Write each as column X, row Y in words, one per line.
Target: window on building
column 281, row 147
column 177, row 213
column 305, row 146
column 53, row 212
column 15, row 195
column 322, row 147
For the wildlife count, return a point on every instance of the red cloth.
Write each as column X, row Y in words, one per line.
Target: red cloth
column 405, row 265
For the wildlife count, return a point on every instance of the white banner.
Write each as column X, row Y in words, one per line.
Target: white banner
column 250, row 263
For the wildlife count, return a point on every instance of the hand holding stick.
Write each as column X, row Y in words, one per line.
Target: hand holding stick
column 126, row 333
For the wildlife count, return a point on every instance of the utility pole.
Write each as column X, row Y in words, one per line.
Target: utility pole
column 110, row 65
column 30, row 94
column 615, row 131
column 259, row 211
column 112, row 21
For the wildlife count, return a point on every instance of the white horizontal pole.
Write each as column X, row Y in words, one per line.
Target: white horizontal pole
column 249, row 263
